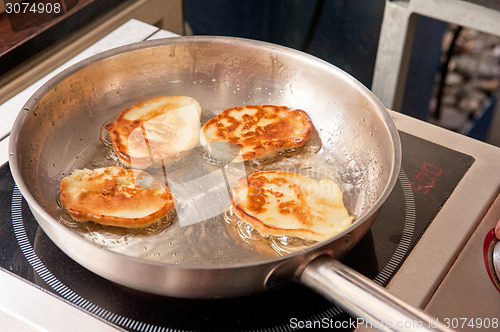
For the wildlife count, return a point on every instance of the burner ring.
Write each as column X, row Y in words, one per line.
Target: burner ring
column 59, row 287
column 132, row 324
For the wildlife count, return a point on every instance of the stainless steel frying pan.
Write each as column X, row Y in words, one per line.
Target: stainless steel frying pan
column 201, row 255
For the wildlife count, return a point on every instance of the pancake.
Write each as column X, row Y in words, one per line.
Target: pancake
column 115, row 196
column 287, row 204
column 156, row 132
column 255, row 131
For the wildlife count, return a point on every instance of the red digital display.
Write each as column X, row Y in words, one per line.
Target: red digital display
column 426, row 178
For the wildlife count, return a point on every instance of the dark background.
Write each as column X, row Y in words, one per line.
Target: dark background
column 342, row 32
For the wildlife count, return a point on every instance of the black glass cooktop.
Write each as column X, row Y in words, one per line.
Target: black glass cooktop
column 429, row 175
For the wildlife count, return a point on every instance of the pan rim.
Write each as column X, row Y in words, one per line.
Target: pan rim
column 33, row 100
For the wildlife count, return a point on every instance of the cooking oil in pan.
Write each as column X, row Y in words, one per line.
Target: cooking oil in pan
column 110, row 236
column 282, row 245
column 220, row 239
column 255, row 163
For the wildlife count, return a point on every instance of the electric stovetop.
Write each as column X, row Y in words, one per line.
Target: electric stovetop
column 429, row 175
column 426, row 247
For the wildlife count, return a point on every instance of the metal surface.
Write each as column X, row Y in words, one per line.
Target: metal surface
column 467, row 299
column 456, row 222
column 447, row 235
column 496, row 258
column 60, row 126
column 130, row 32
column 360, row 298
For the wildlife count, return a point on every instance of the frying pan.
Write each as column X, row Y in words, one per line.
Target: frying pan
column 199, row 256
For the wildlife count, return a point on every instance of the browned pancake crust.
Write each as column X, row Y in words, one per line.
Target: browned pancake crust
column 102, row 196
column 270, row 130
column 278, row 203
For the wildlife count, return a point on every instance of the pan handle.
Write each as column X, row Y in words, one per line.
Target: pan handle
column 361, row 297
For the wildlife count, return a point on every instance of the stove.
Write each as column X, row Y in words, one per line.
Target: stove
column 430, row 174
column 427, row 247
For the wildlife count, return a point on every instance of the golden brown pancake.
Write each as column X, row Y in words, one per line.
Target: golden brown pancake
column 156, row 132
column 282, row 203
column 115, row 196
column 255, row 131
